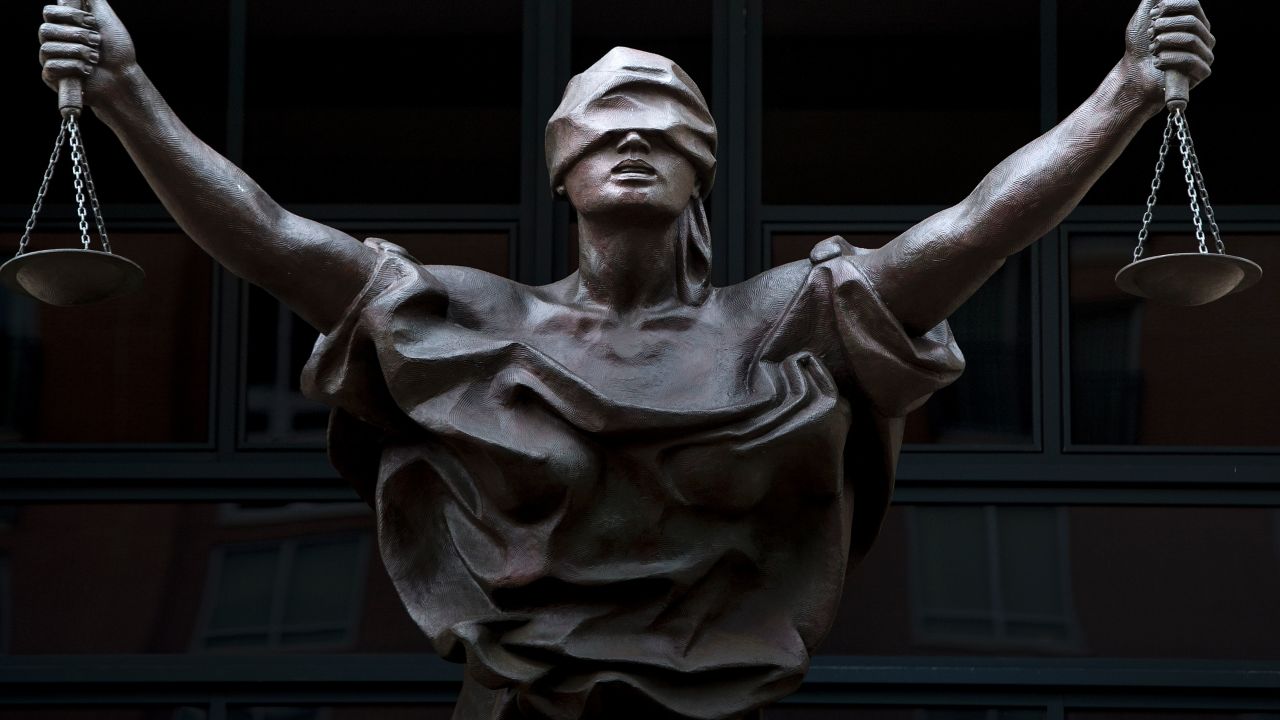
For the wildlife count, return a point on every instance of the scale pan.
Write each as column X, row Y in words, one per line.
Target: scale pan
column 70, row 276
column 1188, row 279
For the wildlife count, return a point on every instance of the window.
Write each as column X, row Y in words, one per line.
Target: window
column 296, row 592
column 991, row 574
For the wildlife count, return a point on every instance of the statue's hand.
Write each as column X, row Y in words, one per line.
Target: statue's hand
column 96, row 48
column 1168, row 35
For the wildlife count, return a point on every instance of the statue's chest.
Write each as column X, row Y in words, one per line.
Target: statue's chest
column 668, row 363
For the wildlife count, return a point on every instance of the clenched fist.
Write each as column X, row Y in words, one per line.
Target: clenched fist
column 1164, row 37
column 92, row 47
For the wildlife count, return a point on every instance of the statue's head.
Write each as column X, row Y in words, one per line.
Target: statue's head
column 633, row 133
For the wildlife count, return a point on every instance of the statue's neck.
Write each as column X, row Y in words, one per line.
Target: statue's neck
column 628, row 266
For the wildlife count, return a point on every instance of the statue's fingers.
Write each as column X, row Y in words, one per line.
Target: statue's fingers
column 1183, row 42
column 60, row 50
column 62, row 15
column 1169, row 8
column 1186, row 24
column 50, row 32
column 60, row 69
column 1190, row 64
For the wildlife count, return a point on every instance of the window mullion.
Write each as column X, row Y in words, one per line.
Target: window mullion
column 280, row 592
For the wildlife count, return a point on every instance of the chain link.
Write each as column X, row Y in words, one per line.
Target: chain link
column 78, row 172
column 44, row 188
column 1204, row 192
column 93, row 200
column 1155, row 191
column 1184, row 146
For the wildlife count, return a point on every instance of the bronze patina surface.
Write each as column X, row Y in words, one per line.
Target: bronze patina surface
column 629, row 493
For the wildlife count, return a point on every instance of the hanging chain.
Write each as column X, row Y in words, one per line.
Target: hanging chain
column 1204, row 192
column 93, row 199
column 44, row 188
column 1155, row 190
column 1184, row 146
column 78, row 171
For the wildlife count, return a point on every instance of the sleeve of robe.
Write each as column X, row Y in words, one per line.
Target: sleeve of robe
column 349, row 371
column 883, row 371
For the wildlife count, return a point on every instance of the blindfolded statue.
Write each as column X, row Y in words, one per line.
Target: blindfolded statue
column 628, row 493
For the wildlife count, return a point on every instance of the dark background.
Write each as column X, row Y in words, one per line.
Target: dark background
column 1087, row 523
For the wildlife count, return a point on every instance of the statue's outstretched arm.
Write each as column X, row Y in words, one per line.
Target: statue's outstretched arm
column 314, row 269
column 930, row 270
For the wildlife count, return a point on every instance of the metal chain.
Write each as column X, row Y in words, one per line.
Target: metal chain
column 93, row 199
column 1155, row 190
column 1204, row 192
column 1184, row 146
column 44, row 188
column 76, row 170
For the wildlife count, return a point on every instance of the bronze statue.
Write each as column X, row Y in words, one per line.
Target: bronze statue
column 627, row 493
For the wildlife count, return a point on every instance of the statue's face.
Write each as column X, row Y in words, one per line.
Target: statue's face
column 635, row 173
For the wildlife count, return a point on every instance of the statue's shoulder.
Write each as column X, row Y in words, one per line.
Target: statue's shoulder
column 769, row 288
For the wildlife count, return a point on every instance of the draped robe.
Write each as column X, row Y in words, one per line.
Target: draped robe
column 603, row 521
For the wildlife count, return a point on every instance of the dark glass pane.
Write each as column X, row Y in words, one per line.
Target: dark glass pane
column 1229, row 116
column 677, row 29
column 83, row 712
column 131, row 370
column 991, row 403
column 310, row 599
column 245, row 585
column 182, row 578
column 846, row 712
column 392, row 102
column 953, row 579
column 188, row 67
column 881, row 102
column 1144, row 373
column 1169, row 715
column 342, row 712
column 280, row 342
column 1172, row 583
column 1030, row 573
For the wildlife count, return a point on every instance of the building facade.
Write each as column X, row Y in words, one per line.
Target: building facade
column 1087, row 524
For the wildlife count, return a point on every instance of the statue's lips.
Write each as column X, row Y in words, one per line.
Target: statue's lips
column 634, row 169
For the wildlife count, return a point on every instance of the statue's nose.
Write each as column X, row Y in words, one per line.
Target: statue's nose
column 632, row 142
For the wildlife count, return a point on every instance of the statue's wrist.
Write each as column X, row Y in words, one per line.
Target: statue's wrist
column 1135, row 88
column 128, row 93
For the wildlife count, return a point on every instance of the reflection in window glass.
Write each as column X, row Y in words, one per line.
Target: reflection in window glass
column 1130, row 574
column 343, row 712
column 1169, row 715
column 847, row 712
column 279, row 342
column 991, row 403
column 287, row 593
column 355, row 128
column 130, row 370
column 1228, row 117
column 1143, row 373
column 1101, row 582
column 81, row 712
column 988, row 575
column 154, row 577
column 860, row 105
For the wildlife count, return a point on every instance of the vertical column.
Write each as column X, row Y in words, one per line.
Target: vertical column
column 228, row 289
column 736, row 106
column 1048, row 257
column 547, row 26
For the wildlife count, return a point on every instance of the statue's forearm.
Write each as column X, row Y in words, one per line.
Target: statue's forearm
column 1033, row 190
column 930, row 270
column 213, row 201
column 314, row 269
